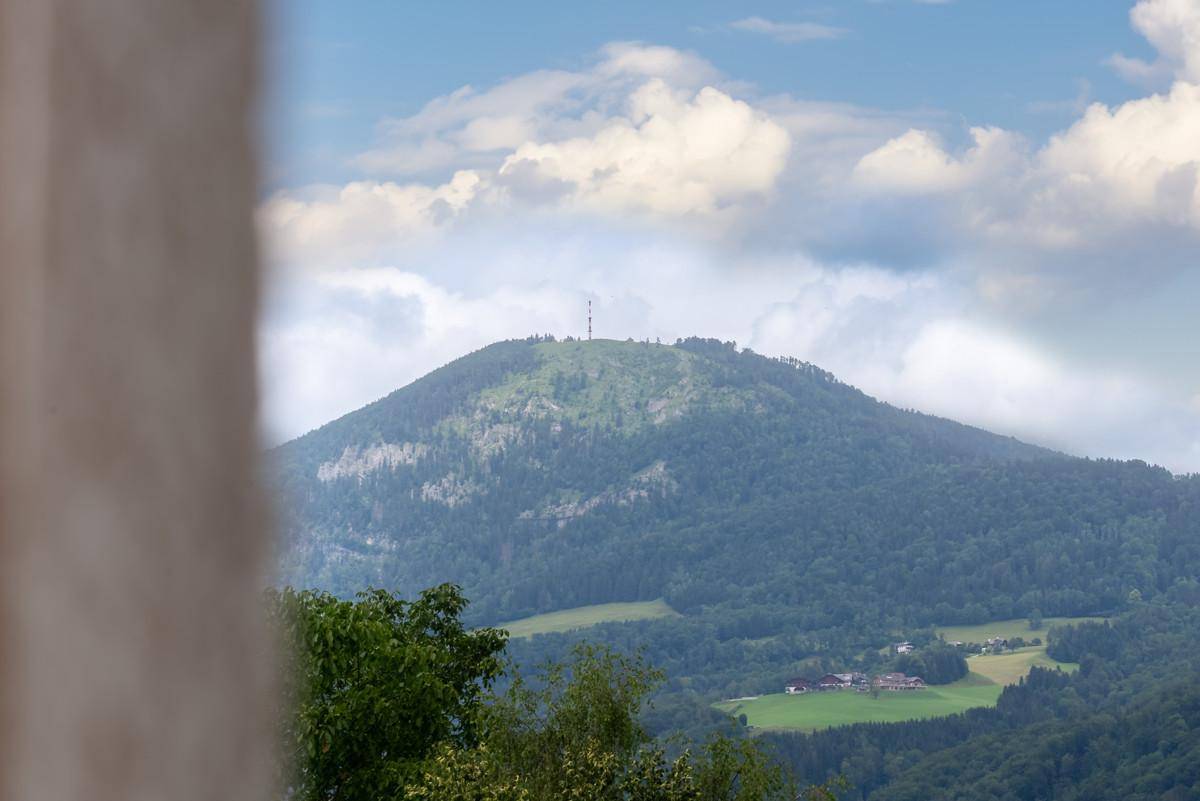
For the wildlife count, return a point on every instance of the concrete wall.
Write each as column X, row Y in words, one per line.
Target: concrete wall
column 133, row 663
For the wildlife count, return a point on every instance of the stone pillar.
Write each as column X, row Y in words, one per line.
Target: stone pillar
column 133, row 547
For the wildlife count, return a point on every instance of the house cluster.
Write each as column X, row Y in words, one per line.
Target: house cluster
column 853, row 681
column 993, row 644
column 898, row 681
column 830, row 681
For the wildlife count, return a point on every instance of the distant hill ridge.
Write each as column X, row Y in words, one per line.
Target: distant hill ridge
column 547, row 475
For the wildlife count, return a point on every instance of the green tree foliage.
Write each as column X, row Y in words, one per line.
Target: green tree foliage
column 390, row 700
column 1073, row 643
column 1123, row 727
column 572, row 732
column 936, row 664
column 1131, row 753
column 574, row 710
column 375, row 685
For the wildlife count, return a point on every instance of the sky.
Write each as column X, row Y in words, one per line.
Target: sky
column 985, row 211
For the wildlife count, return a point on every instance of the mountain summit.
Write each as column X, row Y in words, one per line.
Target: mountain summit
column 544, row 475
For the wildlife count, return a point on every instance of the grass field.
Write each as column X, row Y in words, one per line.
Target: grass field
column 981, row 687
column 813, row 711
column 1006, row 629
column 1009, row 667
column 584, row 616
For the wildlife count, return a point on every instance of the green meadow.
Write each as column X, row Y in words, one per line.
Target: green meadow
column 812, row 711
column 583, row 616
column 1007, row 629
column 989, row 673
column 1010, row 667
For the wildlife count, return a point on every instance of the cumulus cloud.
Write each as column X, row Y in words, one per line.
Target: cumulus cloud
column 633, row 135
column 645, row 131
column 1141, row 157
column 1117, row 179
column 916, row 163
column 1111, row 201
column 788, row 32
column 332, row 227
column 1173, row 28
column 672, row 154
column 1115, row 169
column 471, row 126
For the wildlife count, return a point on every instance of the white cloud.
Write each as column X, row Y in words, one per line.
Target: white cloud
column 914, row 163
column 1143, row 73
column 331, row 227
column 1142, row 158
column 1113, row 170
column 469, row 121
column 1173, row 28
column 788, row 32
column 672, row 154
column 639, row 61
column 470, row 127
column 634, row 134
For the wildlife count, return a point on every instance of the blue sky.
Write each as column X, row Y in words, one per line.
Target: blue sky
column 988, row 211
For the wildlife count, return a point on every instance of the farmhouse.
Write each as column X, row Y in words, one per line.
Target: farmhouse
column 799, row 685
column 903, row 647
column 899, row 681
column 830, row 681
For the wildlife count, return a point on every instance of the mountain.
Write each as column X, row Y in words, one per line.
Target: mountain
column 544, row 475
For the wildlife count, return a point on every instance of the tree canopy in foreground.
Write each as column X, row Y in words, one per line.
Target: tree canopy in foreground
column 391, row 699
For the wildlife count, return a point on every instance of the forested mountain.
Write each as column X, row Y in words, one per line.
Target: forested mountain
column 542, row 475
column 796, row 524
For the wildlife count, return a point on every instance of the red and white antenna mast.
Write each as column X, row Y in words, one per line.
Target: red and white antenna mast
column 589, row 321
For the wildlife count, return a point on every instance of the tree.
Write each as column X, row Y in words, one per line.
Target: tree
column 572, row 732
column 570, row 720
column 392, row 700
column 375, row 685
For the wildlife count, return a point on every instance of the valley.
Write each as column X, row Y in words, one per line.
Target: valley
column 780, row 712
column 981, row 687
